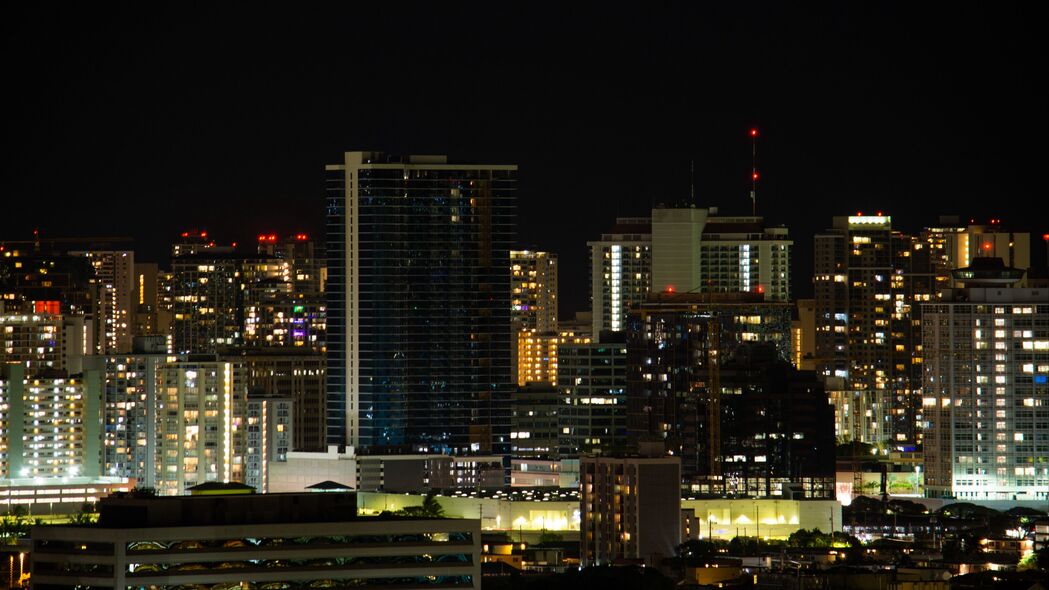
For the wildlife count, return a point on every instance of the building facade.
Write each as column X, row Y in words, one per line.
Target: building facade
column 269, row 437
column 49, row 427
column 263, row 540
column 419, row 302
column 591, row 378
column 620, row 272
column 986, row 398
column 674, row 350
column 201, row 424
column 631, row 509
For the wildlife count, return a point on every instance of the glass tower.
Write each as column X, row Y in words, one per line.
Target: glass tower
column 419, row 303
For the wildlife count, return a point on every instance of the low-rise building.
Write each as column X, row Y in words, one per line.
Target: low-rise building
column 267, row 540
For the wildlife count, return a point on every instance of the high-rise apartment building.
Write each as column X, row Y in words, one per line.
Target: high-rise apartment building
column 269, row 436
column 777, row 434
column 537, row 354
column 674, row 350
column 533, row 421
column 114, row 272
column 283, row 300
column 869, row 281
column 591, row 377
column 49, row 426
column 207, row 295
column 131, row 413
column 630, row 509
column 954, row 245
column 986, row 398
column 297, row 374
column 201, row 419
column 803, row 335
column 34, row 340
column 740, row 254
column 620, row 272
column 419, row 302
column 533, row 284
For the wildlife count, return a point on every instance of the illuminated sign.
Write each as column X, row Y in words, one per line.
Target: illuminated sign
column 870, row 220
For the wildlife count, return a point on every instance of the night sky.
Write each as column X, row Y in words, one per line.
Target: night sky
column 145, row 124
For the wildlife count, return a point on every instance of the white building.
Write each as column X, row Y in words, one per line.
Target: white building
column 269, row 436
column 201, row 419
column 49, row 427
column 986, row 401
column 620, row 272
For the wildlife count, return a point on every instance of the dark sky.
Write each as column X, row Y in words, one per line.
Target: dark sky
column 144, row 124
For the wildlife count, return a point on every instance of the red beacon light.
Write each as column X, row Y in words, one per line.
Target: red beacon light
column 203, row 234
column 1045, row 237
column 185, row 234
column 754, row 176
column 987, row 246
column 761, row 289
column 669, row 289
column 301, row 237
column 753, row 132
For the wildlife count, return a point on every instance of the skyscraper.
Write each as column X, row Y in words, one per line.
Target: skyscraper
column 533, row 283
column 620, row 272
column 419, row 302
column 114, row 272
column 675, row 343
column 742, row 254
column 864, row 329
column 986, row 398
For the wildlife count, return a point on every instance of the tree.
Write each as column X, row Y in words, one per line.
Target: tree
column 430, row 508
column 86, row 515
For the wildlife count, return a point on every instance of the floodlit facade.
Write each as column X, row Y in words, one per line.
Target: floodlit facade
column 419, row 302
column 49, row 427
column 676, row 235
column 986, row 398
column 620, row 272
column 201, row 424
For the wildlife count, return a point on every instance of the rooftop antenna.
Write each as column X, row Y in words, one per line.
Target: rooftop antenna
column 754, row 170
column 692, row 182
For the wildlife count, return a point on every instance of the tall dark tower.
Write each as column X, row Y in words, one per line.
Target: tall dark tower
column 419, row 303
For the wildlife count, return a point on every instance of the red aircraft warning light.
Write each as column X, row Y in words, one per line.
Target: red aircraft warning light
column 1045, row 237
column 753, row 132
column 754, row 176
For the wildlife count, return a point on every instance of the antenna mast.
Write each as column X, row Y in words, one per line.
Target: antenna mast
column 692, row 182
column 754, row 170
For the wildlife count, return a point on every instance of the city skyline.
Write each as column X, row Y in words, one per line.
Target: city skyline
column 888, row 108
